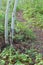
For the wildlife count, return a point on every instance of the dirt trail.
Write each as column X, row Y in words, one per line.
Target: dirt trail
column 39, row 39
column 38, row 32
column 20, row 16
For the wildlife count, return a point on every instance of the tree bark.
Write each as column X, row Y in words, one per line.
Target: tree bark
column 0, row 4
column 6, row 21
column 13, row 20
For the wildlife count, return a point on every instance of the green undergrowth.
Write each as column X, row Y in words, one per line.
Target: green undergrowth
column 21, row 30
column 33, row 10
column 12, row 57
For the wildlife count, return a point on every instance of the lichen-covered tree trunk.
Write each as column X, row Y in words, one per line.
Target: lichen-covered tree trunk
column 13, row 20
column 6, row 21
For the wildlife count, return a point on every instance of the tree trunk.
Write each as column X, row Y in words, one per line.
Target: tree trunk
column 0, row 4
column 6, row 21
column 13, row 20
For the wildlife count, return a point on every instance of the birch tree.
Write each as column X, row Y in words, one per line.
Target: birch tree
column 13, row 20
column 6, row 21
column 0, row 4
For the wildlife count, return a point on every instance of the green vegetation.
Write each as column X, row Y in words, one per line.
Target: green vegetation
column 32, row 11
column 23, row 33
column 13, row 57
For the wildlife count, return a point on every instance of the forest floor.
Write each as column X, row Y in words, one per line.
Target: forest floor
column 38, row 43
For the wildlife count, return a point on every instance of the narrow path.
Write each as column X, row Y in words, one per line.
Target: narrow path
column 20, row 16
column 39, row 39
column 38, row 32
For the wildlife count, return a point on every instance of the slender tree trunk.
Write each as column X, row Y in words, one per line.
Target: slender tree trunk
column 13, row 20
column 0, row 4
column 6, row 21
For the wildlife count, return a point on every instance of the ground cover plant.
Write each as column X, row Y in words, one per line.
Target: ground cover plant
column 13, row 57
column 25, row 34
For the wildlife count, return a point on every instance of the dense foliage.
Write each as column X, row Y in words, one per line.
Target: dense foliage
column 13, row 57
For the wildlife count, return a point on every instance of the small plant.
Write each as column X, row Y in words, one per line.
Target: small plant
column 18, row 63
column 2, row 62
column 40, row 63
column 14, row 57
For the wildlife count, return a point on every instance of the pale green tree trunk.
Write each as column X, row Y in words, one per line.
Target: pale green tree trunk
column 0, row 4
column 13, row 20
column 6, row 21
